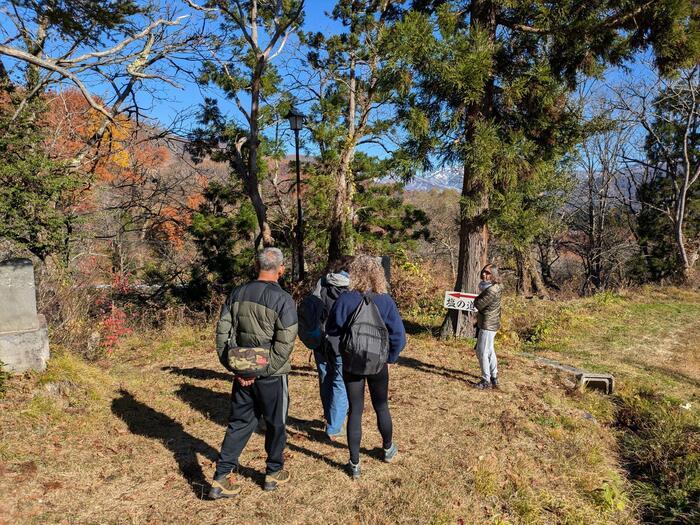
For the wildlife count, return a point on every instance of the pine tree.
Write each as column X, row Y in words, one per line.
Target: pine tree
column 358, row 83
column 223, row 229
column 250, row 36
column 34, row 187
column 383, row 222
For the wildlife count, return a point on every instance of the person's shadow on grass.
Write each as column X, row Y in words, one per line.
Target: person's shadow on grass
column 146, row 421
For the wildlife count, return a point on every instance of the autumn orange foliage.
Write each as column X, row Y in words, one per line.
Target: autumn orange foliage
column 125, row 157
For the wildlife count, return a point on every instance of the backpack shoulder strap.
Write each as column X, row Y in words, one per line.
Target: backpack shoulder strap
column 356, row 312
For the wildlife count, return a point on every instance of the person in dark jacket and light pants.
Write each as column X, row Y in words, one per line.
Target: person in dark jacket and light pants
column 488, row 305
column 328, row 362
column 367, row 277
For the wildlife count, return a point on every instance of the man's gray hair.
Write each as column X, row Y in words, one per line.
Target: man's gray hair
column 269, row 259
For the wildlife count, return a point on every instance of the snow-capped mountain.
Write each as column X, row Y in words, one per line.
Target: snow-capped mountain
column 447, row 177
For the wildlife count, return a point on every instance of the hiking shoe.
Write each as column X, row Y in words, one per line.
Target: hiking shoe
column 390, row 453
column 226, row 486
column 483, row 385
column 494, row 382
column 354, row 470
column 272, row 481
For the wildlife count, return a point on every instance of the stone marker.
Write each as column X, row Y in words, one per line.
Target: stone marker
column 24, row 341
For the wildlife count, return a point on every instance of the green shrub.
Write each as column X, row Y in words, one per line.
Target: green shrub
column 539, row 331
column 660, row 448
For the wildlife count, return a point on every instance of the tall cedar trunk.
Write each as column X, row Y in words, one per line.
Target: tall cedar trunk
column 523, row 277
column 252, row 185
column 473, row 232
column 341, row 240
column 473, row 251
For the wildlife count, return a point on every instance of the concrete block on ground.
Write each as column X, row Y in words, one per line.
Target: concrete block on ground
column 584, row 379
column 603, row 382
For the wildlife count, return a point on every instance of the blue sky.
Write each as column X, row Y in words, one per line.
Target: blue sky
column 175, row 101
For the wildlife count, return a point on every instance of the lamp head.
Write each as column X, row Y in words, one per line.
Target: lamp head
column 296, row 119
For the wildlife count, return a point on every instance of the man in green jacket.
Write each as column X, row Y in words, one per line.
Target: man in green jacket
column 254, row 339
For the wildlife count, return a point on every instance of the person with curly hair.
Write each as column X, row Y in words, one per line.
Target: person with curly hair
column 367, row 280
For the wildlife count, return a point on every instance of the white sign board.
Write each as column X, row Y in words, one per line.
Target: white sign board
column 460, row 301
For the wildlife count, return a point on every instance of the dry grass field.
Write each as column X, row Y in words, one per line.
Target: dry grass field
column 133, row 438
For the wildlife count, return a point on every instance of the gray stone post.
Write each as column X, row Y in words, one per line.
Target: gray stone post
column 24, row 341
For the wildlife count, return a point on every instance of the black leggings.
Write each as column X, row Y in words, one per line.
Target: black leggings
column 379, row 393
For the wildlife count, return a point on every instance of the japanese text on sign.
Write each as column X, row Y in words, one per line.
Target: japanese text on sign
column 460, row 301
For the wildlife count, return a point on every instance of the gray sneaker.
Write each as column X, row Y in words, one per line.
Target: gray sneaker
column 274, row 480
column 390, row 453
column 483, row 385
column 353, row 470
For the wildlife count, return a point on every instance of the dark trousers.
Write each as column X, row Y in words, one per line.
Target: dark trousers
column 267, row 397
column 379, row 394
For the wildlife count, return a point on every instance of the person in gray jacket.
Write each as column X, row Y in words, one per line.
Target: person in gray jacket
column 329, row 364
column 254, row 339
column 488, row 321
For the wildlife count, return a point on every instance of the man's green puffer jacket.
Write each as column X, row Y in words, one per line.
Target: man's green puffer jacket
column 488, row 303
column 259, row 315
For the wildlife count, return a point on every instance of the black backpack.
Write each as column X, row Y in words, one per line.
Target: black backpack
column 364, row 344
column 312, row 314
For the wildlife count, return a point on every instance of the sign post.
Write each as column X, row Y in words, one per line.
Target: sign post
column 460, row 301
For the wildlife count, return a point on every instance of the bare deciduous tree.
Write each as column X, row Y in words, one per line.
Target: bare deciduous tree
column 665, row 113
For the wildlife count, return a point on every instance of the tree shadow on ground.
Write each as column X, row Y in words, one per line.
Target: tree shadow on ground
column 306, row 370
column 428, row 368
column 310, row 429
column 205, row 373
column 199, row 373
column 146, row 421
column 216, row 405
column 315, row 455
column 680, row 377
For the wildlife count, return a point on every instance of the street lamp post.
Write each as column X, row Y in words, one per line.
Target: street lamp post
column 296, row 122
